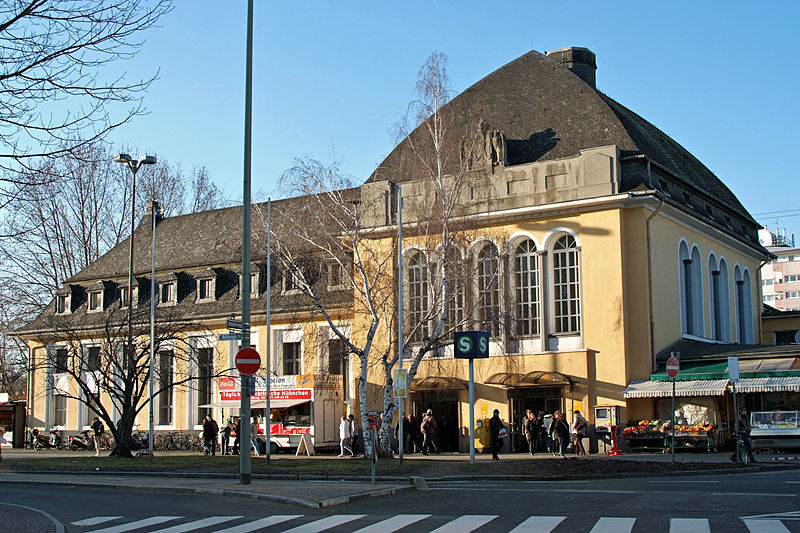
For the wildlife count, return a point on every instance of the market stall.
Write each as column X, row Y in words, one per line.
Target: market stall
column 775, row 429
column 656, row 435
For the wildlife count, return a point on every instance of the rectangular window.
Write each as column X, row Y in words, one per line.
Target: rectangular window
column 767, row 282
column 95, row 300
column 123, row 296
column 61, row 361
column 204, row 289
column 166, row 362
column 167, row 291
column 205, row 371
column 93, row 359
column 254, row 284
column 60, row 408
column 291, row 358
column 61, row 303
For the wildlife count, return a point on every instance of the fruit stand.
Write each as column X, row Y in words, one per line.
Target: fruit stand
column 656, row 435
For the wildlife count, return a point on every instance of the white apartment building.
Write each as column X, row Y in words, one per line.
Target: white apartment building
column 780, row 278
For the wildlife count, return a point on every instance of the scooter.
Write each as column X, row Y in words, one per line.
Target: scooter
column 40, row 442
column 82, row 441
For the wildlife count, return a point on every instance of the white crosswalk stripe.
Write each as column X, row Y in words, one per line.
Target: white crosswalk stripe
column 93, row 521
column 260, row 523
column 606, row 524
column 465, row 523
column 689, row 525
column 765, row 526
column 538, row 524
column 325, row 523
column 393, row 524
column 197, row 524
column 144, row 522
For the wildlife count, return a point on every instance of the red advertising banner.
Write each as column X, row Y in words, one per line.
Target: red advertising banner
column 279, row 394
column 278, row 429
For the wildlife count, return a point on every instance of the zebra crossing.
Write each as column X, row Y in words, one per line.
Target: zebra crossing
column 409, row 522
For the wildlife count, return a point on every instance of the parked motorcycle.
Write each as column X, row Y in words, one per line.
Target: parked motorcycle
column 40, row 442
column 82, row 441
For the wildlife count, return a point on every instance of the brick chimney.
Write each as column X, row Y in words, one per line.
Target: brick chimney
column 580, row 61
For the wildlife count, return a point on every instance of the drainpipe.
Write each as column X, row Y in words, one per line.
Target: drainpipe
column 650, row 274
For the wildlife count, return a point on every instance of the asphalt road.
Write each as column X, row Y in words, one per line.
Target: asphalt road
column 766, row 502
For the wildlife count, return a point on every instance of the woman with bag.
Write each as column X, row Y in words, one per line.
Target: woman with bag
column 579, row 426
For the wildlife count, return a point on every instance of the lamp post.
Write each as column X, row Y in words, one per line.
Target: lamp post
column 134, row 166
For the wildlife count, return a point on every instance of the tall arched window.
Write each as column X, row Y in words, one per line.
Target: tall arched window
column 718, row 298
column 456, row 283
column 744, row 306
column 566, row 286
column 417, row 296
column 691, row 281
column 488, row 296
column 526, row 278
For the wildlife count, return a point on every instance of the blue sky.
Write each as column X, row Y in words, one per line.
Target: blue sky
column 333, row 77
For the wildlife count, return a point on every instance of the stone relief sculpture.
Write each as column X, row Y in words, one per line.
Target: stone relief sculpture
column 498, row 148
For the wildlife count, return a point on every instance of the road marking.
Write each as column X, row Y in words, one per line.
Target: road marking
column 325, row 523
column 260, row 523
column 607, row 524
column 681, row 481
column 689, row 525
column 768, row 494
column 792, row 482
column 95, row 520
column 197, row 524
column 588, row 491
column 144, row 522
column 393, row 524
column 465, row 523
column 765, row 526
column 538, row 524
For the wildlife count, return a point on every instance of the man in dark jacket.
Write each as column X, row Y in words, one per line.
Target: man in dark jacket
column 531, row 431
column 495, row 425
column 560, row 430
column 210, row 432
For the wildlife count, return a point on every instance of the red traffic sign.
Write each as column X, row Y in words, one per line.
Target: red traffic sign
column 673, row 367
column 248, row 361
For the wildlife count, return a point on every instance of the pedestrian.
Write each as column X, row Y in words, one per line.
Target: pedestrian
column 407, row 442
column 97, row 433
column 579, row 427
column 415, row 433
column 560, row 430
column 210, row 432
column 238, row 439
column 344, row 437
column 742, row 430
column 531, row 434
column 226, row 437
column 547, row 434
column 496, row 428
column 254, row 435
column 428, row 430
column 355, row 436
column 541, row 440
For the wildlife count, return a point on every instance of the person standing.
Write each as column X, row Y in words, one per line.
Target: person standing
column 743, row 434
column 495, row 426
column 415, row 435
column 579, row 427
column 547, row 434
column 560, row 430
column 355, row 436
column 530, row 430
column 97, row 433
column 238, row 439
column 210, row 432
column 226, row 437
column 254, row 435
column 428, row 429
column 345, row 434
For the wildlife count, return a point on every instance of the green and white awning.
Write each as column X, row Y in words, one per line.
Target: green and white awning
column 663, row 389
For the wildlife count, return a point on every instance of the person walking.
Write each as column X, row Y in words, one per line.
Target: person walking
column 210, row 432
column 238, row 439
column 415, row 435
column 743, row 434
column 254, row 435
column 226, row 437
column 355, row 436
column 428, row 429
column 495, row 428
column 345, row 434
column 579, row 427
column 97, row 433
column 560, row 430
column 547, row 435
column 531, row 433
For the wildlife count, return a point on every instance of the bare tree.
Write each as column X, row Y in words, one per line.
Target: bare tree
column 112, row 382
column 13, row 354
column 204, row 192
column 54, row 82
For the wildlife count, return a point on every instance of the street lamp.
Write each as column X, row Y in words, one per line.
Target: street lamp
column 134, row 166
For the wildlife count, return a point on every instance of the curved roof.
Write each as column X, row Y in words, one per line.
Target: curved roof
column 547, row 112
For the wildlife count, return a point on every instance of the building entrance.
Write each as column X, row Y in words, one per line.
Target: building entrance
column 545, row 399
column 444, row 404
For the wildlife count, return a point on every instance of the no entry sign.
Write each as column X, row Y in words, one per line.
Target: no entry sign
column 248, row 361
column 673, row 367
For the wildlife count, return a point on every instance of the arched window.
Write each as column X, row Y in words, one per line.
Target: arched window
column 566, row 286
column 691, row 290
column 488, row 297
column 719, row 299
column 456, row 278
column 744, row 306
column 417, row 296
column 526, row 278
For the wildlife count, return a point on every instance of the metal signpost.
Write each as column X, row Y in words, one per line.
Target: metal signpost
column 733, row 376
column 673, row 367
column 471, row 345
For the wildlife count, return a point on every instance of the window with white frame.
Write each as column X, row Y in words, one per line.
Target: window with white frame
column 291, row 358
column 792, row 294
column 124, row 294
column 526, row 278
column 205, row 289
column 418, row 297
column 95, row 301
column 60, row 410
column 93, row 358
column 61, row 360
column 488, row 296
column 62, row 304
column 167, row 293
column 166, row 379
column 566, row 286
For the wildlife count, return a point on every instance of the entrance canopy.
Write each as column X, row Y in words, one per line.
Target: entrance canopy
column 437, row 383
column 545, row 378
column 663, row 389
column 256, row 404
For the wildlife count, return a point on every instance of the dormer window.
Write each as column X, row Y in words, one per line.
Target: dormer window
column 709, row 211
column 255, row 279
column 95, row 301
column 687, row 199
column 124, row 296
column 206, row 285
column 166, row 293
column 62, row 304
column 290, row 282
column 204, row 289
